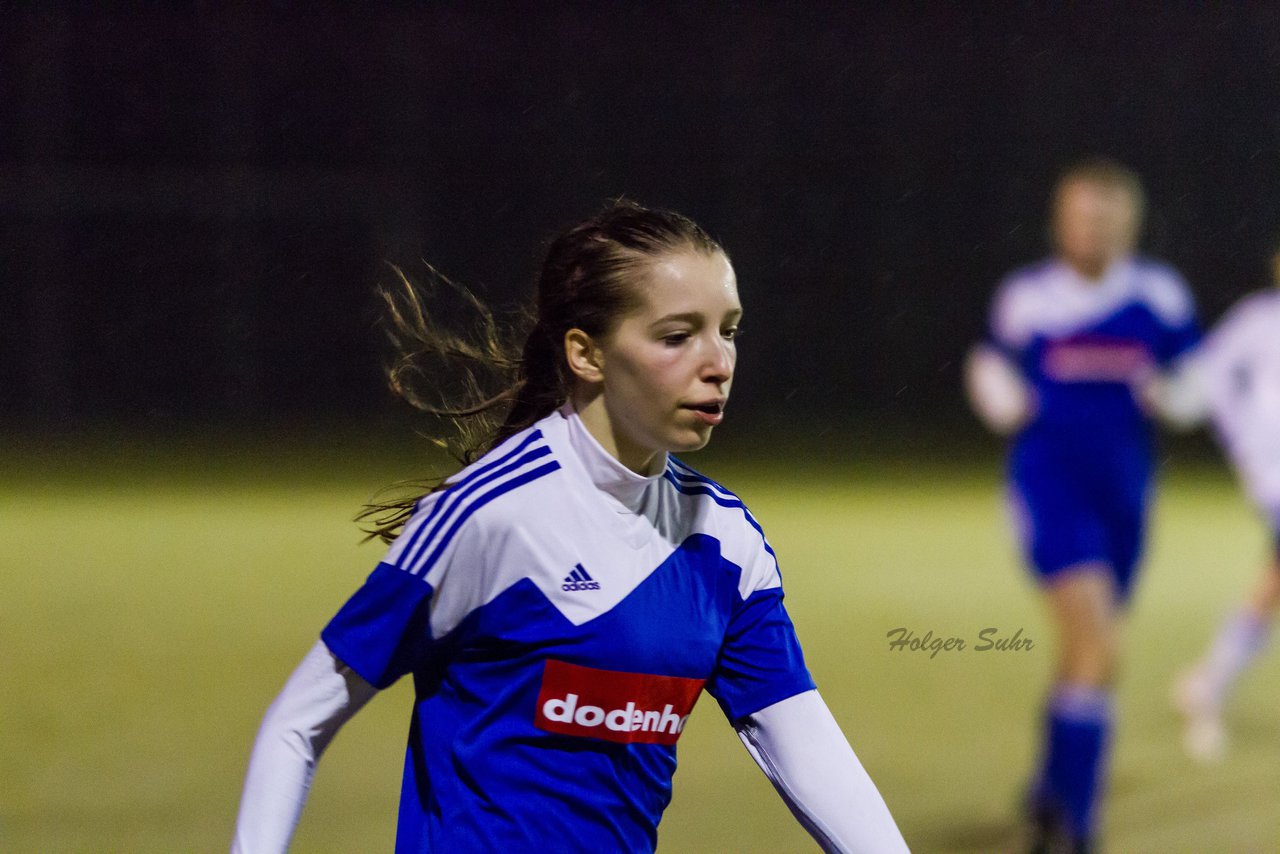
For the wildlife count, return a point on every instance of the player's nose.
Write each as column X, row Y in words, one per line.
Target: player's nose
column 718, row 365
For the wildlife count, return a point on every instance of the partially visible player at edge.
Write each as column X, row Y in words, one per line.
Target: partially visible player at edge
column 1075, row 347
column 563, row 600
column 1238, row 375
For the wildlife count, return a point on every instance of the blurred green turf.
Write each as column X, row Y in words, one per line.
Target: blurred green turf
column 157, row 597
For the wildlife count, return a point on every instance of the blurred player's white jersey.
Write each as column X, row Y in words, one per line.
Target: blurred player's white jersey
column 1240, row 361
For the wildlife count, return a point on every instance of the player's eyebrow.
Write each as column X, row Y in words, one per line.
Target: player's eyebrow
column 693, row 318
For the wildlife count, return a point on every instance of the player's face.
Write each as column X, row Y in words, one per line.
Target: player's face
column 1094, row 224
column 668, row 365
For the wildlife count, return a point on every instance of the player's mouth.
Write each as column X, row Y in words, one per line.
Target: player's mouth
column 707, row 411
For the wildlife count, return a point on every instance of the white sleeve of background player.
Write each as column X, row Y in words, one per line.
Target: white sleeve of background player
column 320, row 696
column 997, row 390
column 1228, row 344
column 800, row 748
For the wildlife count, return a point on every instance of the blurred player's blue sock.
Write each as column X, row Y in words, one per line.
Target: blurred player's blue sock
column 1239, row 640
column 1077, row 730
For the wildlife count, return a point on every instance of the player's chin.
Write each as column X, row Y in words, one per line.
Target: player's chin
column 691, row 438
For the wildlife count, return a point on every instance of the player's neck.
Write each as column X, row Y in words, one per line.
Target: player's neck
column 1091, row 270
column 595, row 418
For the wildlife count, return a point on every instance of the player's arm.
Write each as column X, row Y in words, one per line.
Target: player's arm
column 381, row 633
column 1176, row 392
column 800, row 748
column 768, row 695
column 997, row 390
column 1178, row 396
column 320, row 696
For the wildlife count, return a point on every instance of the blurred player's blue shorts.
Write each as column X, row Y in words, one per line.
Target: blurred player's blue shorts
column 1074, row 505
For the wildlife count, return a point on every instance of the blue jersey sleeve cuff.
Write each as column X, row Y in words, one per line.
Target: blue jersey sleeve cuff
column 383, row 631
column 761, row 662
column 1182, row 340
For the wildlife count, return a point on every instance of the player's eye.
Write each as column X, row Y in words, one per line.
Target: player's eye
column 730, row 333
column 675, row 339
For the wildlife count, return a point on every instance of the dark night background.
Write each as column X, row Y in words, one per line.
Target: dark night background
column 195, row 205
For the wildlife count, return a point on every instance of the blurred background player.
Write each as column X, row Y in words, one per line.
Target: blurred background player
column 1073, row 342
column 1238, row 368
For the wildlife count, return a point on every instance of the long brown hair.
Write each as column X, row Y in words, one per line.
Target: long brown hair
column 481, row 387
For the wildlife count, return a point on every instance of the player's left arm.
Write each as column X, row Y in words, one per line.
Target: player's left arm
column 766, row 692
column 800, row 748
column 1178, row 395
column 1175, row 391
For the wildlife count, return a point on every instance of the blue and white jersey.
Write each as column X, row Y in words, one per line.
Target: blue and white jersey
column 1084, row 346
column 1080, row 470
column 560, row 616
column 1240, row 361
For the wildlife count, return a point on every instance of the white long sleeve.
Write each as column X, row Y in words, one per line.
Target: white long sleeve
column 1178, row 396
column 320, row 696
column 800, row 748
column 997, row 390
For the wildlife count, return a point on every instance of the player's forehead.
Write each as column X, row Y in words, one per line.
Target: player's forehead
column 1082, row 190
column 689, row 282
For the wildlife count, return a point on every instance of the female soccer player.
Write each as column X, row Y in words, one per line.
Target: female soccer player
column 563, row 600
column 1073, row 342
column 1238, row 370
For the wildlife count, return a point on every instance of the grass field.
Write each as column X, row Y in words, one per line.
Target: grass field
column 155, row 601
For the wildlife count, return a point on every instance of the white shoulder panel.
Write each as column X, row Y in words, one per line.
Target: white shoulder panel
column 1166, row 293
column 520, row 515
column 1018, row 307
column 719, row 513
column 504, row 542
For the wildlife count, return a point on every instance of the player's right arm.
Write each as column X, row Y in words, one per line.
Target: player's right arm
column 997, row 390
column 380, row 634
column 320, row 696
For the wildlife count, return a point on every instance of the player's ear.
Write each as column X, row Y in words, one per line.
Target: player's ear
column 584, row 357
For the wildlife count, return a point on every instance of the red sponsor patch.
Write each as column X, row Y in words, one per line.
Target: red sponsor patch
column 615, row 706
column 1096, row 358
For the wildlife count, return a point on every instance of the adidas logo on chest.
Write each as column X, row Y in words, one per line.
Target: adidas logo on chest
column 579, row 579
